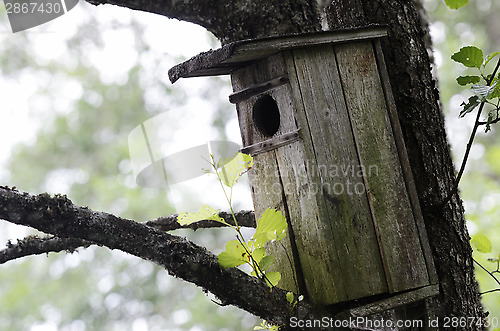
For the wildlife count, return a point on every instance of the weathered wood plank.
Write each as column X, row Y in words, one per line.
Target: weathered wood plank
column 257, row 49
column 257, row 89
column 302, row 208
column 270, row 144
column 405, row 163
column 393, row 214
column 393, row 302
column 264, row 178
column 239, row 54
column 343, row 235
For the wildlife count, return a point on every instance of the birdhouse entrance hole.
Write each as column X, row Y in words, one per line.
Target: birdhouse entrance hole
column 266, row 115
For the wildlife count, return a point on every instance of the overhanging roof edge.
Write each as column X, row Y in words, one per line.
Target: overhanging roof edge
column 238, row 54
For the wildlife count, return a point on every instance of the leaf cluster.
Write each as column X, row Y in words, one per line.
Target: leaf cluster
column 270, row 226
column 485, row 87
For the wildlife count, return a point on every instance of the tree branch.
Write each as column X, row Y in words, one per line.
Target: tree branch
column 487, row 271
column 34, row 245
column 231, row 20
column 245, row 218
column 60, row 217
column 490, row 291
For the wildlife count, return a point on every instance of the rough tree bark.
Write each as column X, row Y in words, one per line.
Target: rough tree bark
column 417, row 100
column 74, row 227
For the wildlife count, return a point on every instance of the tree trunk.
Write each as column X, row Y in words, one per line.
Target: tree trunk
column 418, row 104
column 417, row 101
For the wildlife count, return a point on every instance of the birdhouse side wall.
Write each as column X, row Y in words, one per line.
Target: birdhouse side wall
column 336, row 173
column 264, row 178
column 335, row 241
column 385, row 182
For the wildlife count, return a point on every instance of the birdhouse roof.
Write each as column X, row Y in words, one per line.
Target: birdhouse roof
column 239, row 54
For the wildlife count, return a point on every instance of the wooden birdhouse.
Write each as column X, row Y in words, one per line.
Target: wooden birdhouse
column 317, row 113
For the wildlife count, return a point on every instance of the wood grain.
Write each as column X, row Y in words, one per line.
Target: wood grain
column 400, row 242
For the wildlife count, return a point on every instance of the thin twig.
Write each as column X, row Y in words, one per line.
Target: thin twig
column 492, row 122
column 34, row 245
column 471, row 140
column 291, row 267
column 184, row 259
column 169, row 223
column 264, row 278
column 490, row 291
column 489, row 272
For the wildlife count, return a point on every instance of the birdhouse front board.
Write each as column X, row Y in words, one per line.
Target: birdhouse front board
column 316, row 112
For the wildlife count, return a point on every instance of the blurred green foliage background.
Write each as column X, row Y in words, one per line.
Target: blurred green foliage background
column 476, row 24
column 78, row 104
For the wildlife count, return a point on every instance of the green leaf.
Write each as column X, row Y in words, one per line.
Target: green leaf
column 290, row 297
column 258, row 254
column 470, row 106
column 206, row 213
column 266, row 326
column 470, row 56
column 262, row 326
column 266, row 262
column 484, row 92
column 234, row 255
column 464, row 80
column 233, row 169
column 455, row 4
column 273, row 278
column 490, row 57
column 270, row 226
column 481, row 243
